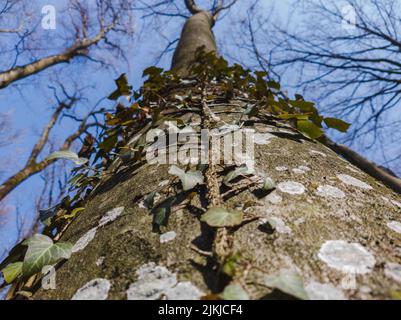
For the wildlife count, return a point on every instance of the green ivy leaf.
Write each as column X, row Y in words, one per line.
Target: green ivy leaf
column 149, row 200
column 73, row 213
column 68, row 155
column 188, row 179
column 251, row 111
column 12, row 271
column 234, row 292
column 287, row 281
column 236, row 173
column 109, row 143
column 221, row 217
column 337, row 124
column 273, row 84
column 162, row 211
column 76, row 179
column 288, row 116
column 309, row 128
column 268, row 184
column 42, row 252
column 231, row 263
column 123, row 88
column 152, row 71
column 304, row 106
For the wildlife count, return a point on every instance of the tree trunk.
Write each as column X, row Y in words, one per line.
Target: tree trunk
column 327, row 220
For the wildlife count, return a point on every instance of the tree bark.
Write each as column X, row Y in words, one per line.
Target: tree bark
column 298, row 222
column 197, row 32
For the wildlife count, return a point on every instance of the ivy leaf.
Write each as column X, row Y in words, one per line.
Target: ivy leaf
column 273, row 84
column 42, row 252
column 304, row 106
column 230, row 265
column 268, row 184
column 149, row 200
column 309, row 128
column 251, row 111
column 45, row 214
column 123, row 88
column 162, row 212
column 152, row 71
column 288, row 116
column 337, row 124
column 236, row 173
column 76, row 179
column 109, row 143
column 73, row 213
column 287, row 281
column 220, row 217
column 67, row 155
column 12, row 271
column 188, row 179
column 234, row 292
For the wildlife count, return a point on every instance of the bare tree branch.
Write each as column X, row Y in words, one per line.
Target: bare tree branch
column 34, row 166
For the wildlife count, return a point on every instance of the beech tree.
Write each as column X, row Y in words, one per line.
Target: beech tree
column 304, row 223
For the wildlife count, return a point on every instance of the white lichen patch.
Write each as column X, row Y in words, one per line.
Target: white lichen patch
column 346, row 257
column 110, row 216
column 184, row 291
column 164, row 183
column 291, row 187
column 141, row 204
column 323, row 291
column 84, row 240
column 225, row 129
column 353, row 181
column 299, row 221
column 281, row 169
column 279, row 225
column 365, row 289
column 327, row 191
column 152, row 282
column 395, row 226
column 301, row 170
column 396, row 203
column 274, row 198
column 263, row 138
column 393, row 271
column 314, row 152
column 100, row 261
column 167, row 237
column 352, row 169
column 96, row 289
column 385, row 199
column 298, row 171
column 157, row 282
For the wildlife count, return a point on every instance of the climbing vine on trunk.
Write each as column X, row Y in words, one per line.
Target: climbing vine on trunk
column 165, row 96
